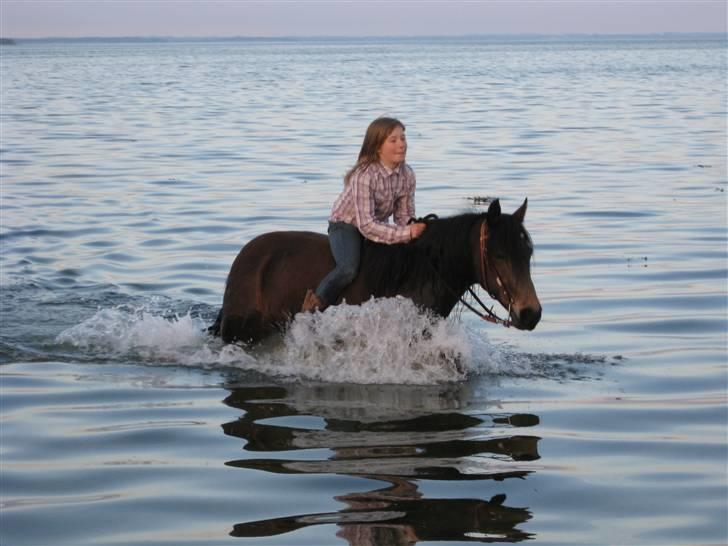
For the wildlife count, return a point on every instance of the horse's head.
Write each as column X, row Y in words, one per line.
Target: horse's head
column 504, row 267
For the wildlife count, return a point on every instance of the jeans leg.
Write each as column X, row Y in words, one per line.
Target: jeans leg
column 345, row 241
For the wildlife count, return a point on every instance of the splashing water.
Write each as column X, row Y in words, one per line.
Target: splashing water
column 383, row 341
column 380, row 341
column 128, row 332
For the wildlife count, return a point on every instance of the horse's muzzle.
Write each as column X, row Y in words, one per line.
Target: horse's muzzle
column 527, row 318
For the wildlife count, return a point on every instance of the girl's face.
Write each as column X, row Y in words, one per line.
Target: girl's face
column 394, row 149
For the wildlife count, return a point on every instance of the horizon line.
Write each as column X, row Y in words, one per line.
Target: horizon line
column 365, row 36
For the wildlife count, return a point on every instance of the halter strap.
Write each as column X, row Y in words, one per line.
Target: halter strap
column 484, row 256
column 491, row 316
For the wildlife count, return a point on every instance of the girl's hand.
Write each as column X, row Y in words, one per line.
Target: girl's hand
column 417, row 229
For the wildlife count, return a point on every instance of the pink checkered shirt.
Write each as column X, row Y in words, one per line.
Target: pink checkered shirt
column 372, row 195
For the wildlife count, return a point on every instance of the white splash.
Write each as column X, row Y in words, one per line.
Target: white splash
column 140, row 333
column 381, row 341
column 384, row 341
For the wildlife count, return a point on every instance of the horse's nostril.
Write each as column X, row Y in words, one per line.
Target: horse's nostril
column 529, row 317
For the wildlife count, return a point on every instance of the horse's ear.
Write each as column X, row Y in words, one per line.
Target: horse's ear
column 521, row 212
column 494, row 212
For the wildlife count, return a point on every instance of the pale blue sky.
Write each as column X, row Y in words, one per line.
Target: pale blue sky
column 65, row 18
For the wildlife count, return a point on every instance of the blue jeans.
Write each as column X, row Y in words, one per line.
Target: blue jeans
column 345, row 241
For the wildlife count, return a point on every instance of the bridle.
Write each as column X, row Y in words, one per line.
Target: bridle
column 489, row 314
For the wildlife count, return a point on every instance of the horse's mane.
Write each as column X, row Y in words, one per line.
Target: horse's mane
column 443, row 252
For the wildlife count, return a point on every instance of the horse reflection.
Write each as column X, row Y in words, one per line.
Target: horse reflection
column 399, row 516
column 426, row 437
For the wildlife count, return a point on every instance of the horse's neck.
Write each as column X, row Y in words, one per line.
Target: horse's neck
column 417, row 273
column 448, row 296
column 442, row 291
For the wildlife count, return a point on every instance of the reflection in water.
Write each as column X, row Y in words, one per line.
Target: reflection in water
column 392, row 435
column 398, row 515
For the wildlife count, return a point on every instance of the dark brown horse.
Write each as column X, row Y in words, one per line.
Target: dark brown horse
column 269, row 278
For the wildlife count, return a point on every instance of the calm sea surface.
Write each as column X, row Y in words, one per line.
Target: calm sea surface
column 132, row 173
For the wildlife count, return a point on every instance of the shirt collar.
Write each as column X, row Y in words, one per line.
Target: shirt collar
column 389, row 172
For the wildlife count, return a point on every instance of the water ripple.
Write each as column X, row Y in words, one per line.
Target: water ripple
column 123, row 205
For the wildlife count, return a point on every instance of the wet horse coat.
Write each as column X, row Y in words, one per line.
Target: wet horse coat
column 269, row 278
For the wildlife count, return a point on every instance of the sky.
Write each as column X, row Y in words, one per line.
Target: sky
column 213, row 18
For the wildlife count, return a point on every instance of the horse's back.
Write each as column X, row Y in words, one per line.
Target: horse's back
column 279, row 252
column 286, row 241
column 268, row 282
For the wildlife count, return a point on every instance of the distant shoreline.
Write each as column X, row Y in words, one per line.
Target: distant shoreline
column 469, row 37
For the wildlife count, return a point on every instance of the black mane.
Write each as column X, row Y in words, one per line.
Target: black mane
column 444, row 252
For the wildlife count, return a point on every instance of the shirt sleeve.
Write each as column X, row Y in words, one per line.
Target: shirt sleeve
column 368, row 225
column 405, row 207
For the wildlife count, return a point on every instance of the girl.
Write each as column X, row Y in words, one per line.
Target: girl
column 380, row 185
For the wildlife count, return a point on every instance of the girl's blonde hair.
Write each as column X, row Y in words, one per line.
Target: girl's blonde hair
column 376, row 134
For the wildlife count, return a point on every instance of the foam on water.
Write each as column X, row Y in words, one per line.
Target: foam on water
column 381, row 341
column 138, row 332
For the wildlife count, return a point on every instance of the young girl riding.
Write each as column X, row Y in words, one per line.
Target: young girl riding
column 379, row 185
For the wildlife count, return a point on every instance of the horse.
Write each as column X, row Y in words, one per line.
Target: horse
column 268, row 279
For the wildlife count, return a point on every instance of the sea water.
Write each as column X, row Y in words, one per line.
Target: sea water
column 131, row 175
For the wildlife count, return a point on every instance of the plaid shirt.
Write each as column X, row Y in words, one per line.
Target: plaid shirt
column 372, row 195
